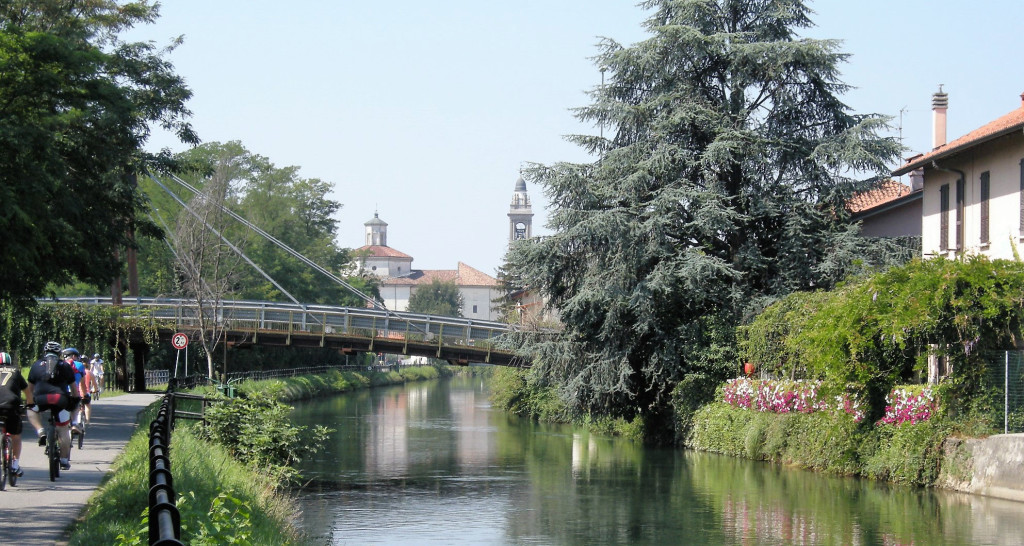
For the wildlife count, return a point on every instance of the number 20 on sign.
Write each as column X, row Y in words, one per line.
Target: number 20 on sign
column 179, row 341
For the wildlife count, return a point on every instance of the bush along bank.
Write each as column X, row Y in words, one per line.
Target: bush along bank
column 516, row 391
column 232, row 478
column 793, row 423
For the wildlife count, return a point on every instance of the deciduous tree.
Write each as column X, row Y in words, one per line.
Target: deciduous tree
column 75, row 108
column 437, row 298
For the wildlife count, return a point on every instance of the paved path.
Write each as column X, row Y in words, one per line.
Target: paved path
column 40, row 511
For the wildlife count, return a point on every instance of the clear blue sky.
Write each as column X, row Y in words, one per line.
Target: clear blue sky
column 425, row 111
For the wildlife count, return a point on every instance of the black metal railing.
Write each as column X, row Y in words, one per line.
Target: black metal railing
column 164, row 519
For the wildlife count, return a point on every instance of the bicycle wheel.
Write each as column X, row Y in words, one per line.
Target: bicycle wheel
column 5, row 468
column 81, row 435
column 52, row 453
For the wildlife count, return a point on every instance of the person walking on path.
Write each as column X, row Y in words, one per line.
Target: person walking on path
column 63, row 501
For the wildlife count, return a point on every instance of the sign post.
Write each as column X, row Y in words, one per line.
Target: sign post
column 179, row 341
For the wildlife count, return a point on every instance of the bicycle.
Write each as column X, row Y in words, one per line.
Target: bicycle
column 53, row 446
column 6, row 474
column 79, row 432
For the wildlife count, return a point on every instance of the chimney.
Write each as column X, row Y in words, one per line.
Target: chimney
column 940, row 102
column 916, row 179
column 1022, row 100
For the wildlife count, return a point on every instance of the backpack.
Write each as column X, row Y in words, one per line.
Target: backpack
column 51, row 364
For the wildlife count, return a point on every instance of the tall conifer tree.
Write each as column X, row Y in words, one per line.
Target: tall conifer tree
column 719, row 183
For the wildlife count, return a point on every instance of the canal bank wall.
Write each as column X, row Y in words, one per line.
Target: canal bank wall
column 993, row 466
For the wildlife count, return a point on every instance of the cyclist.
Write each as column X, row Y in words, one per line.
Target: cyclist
column 97, row 373
column 50, row 379
column 87, row 387
column 12, row 385
column 74, row 359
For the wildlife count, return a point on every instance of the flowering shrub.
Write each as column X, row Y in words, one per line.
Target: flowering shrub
column 907, row 406
column 785, row 397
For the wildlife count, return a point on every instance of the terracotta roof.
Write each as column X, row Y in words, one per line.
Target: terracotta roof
column 380, row 251
column 463, row 276
column 469, row 276
column 890, row 190
column 994, row 129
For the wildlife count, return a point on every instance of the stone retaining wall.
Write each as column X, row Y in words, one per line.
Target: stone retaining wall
column 992, row 466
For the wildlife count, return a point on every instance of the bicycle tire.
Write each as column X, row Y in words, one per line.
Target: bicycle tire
column 81, row 435
column 52, row 452
column 5, row 469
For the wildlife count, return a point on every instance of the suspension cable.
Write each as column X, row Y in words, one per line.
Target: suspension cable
column 226, row 241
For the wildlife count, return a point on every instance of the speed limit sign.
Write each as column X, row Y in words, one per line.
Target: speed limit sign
column 179, row 341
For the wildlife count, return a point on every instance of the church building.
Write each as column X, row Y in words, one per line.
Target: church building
column 399, row 280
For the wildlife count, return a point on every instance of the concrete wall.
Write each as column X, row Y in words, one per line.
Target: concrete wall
column 992, row 466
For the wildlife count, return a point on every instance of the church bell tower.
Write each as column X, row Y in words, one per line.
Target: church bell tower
column 520, row 215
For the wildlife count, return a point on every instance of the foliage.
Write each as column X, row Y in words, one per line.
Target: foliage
column 821, row 441
column 205, row 471
column 228, row 520
column 692, row 392
column 294, row 210
column 516, row 390
column 907, row 453
column 437, row 298
column 75, row 108
column 720, row 187
column 258, row 432
column 875, row 332
column 91, row 328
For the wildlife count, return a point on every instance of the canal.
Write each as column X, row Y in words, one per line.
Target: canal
column 433, row 463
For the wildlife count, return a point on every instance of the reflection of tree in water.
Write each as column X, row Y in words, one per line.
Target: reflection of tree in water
column 762, row 503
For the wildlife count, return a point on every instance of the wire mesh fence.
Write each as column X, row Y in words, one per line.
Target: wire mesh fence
column 1005, row 376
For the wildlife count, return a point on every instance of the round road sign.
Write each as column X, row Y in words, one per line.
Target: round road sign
column 179, row 341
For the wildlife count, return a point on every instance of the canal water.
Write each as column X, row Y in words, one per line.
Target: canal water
column 434, row 463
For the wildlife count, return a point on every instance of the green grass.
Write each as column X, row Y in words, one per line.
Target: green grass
column 202, row 471
column 243, row 500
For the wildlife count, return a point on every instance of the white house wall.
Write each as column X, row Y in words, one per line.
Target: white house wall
column 1002, row 160
column 481, row 297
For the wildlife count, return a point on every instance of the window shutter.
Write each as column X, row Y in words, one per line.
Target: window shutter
column 960, row 215
column 944, row 217
column 1022, row 196
column 984, row 239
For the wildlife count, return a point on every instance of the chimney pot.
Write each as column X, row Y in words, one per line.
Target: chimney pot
column 940, row 102
column 916, row 179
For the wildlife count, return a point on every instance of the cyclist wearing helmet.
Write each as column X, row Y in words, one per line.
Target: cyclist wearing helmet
column 97, row 373
column 50, row 379
column 74, row 359
column 12, row 384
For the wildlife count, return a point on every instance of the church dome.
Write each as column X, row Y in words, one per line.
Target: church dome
column 520, row 185
column 376, row 221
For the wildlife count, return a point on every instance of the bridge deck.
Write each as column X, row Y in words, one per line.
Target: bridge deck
column 346, row 329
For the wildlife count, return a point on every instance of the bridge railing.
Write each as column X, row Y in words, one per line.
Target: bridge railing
column 257, row 316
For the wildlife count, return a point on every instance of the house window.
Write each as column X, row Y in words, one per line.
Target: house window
column 960, row 215
column 984, row 208
column 474, row 309
column 944, row 217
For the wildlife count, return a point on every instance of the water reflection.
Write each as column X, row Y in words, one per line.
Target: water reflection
column 433, row 463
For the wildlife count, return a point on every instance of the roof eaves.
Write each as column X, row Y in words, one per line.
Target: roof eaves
column 888, row 205
column 928, row 158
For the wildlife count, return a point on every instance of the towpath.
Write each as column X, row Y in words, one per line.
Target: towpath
column 38, row 511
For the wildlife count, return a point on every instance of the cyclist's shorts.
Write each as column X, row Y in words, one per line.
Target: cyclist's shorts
column 12, row 419
column 59, row 403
